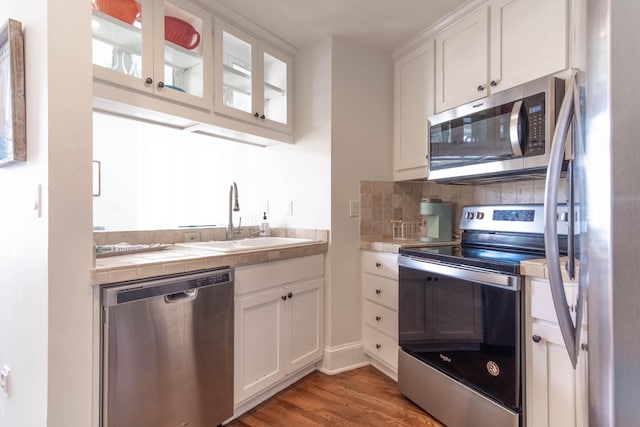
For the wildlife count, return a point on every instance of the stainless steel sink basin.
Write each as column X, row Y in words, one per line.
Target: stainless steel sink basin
column 249, row 244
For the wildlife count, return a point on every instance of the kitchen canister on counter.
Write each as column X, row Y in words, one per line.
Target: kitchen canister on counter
column 436, row 220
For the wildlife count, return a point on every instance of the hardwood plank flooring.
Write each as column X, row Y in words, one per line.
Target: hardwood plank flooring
column 361, row 397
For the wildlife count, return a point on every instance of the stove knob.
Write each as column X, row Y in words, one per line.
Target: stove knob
column 469, row 215
column 480, row 215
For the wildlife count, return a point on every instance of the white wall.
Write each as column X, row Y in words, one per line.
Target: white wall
column 23, row 252
column 361, row 134
column 69, row 102
column 45, row 297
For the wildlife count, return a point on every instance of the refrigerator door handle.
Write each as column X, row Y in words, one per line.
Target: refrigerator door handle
column 552, row 251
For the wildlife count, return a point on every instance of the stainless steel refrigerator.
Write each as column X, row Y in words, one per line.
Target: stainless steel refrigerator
column 607, row 189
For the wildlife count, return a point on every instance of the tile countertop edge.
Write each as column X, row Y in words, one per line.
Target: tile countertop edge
column 174, row 260
column 537, row 268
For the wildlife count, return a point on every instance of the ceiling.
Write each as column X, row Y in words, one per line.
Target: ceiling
column 383, row 24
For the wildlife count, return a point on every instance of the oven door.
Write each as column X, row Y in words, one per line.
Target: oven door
column 464, row 323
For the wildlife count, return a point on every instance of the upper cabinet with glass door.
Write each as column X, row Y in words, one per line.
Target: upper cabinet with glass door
column 252, row 80
column 160, row 47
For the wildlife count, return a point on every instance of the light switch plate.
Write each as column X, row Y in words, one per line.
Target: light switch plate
column 4, row 380
column 288, row 208
column 354, row 208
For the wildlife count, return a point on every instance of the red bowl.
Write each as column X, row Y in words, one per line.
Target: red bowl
column 124, row 10
column 180, row 32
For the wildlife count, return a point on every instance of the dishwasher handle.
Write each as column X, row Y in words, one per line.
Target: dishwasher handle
column 184, row 296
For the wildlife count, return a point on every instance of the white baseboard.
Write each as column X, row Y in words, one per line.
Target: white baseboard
column 343, row 358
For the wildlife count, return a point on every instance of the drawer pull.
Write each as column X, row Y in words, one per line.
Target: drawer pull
column 378, row 346
column 378, row 318
column 378, row 265
column 378, row 291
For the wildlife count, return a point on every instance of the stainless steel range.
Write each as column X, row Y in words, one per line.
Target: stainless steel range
column 461, row 317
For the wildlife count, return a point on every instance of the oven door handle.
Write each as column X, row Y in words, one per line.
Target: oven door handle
column 489, row 278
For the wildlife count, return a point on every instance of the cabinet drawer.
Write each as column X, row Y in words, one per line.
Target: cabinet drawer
column 380, row 263
column 380, row 290
column 381, row 318
column 258, row 277
column 380, row 346
column 542, row 301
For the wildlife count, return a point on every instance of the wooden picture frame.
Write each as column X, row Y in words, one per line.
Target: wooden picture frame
column 13, row 141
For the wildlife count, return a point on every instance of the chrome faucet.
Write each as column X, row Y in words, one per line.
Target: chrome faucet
column 234, row 206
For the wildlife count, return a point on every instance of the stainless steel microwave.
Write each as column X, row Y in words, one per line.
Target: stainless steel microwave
column 505, row 135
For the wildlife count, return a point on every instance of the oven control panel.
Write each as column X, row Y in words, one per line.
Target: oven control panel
column 525, row 218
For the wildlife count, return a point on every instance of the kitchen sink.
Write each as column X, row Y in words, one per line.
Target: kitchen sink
column 248, row 244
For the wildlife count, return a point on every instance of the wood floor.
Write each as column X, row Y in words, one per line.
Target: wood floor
column 362, row 397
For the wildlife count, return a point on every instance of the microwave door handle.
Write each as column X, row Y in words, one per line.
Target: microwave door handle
column 514, row 125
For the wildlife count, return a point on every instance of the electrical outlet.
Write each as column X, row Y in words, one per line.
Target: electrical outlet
column 192, row 237
column 4, row 380
column 288, row 208
column 354, row 208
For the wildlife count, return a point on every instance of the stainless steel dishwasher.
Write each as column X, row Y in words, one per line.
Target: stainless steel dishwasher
column 168, row 351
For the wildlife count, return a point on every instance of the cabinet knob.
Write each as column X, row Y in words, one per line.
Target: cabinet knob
column 378, row 265
column 161, row 84
column 149, row 80
column 480, row 88
column 263, row 117
column 284, row 297
column 378, row 318
column 289, row 295
column 378, row 346
column 536, row 338
column 256, row 115
column 493, row 83
column 378, row 291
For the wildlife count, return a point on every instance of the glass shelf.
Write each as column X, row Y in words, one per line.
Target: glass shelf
column 117, row 33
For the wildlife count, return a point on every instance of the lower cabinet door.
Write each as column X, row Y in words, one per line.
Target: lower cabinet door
column 553, row 401
column 304, row 310
column 259, row 360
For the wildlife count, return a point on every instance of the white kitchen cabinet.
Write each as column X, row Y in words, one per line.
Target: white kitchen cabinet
column 528, row 40
column 253, row 80
column 499, row 46
column 556, row 393
column 278, row 322
column 166, row 52
column 462, row 52
column 413, row 103
column 379, row 278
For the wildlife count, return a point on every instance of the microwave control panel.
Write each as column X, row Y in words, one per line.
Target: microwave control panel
column 534, row 108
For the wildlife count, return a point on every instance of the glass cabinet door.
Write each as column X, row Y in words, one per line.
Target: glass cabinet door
column 118, row 36
column 275, row 89
column 252, row 81
column 180, row 63
column 237, row 79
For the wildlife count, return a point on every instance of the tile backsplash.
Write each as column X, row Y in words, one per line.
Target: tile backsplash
column 382, row 201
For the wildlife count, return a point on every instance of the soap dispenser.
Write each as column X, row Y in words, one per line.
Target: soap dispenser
column 264, row 226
